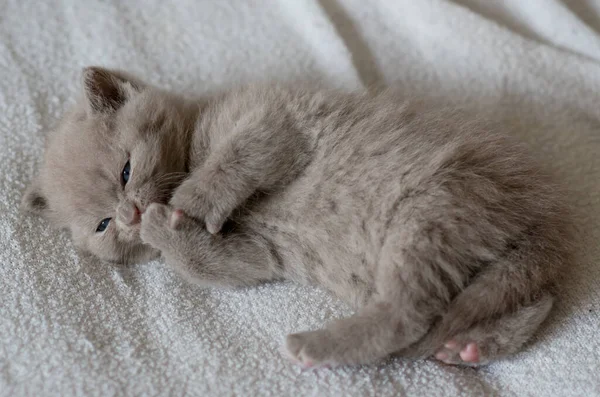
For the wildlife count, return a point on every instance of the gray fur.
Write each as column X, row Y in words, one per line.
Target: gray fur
column 434, row 225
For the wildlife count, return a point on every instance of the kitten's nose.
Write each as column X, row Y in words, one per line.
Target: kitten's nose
column 129, row 214
column 137, row 215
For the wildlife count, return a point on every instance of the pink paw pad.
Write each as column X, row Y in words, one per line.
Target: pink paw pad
column 470, row 353
column 175, row 219
column 307, row 364
column 454, row 352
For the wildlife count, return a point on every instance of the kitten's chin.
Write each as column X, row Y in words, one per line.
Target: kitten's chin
column 146, row 254
column 131, row 234
column 136, row 255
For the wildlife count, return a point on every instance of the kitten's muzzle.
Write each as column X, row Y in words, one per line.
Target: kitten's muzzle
column 129, row 214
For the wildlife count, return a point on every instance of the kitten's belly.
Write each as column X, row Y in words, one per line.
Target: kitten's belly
column 314, row 254
column 330, row 223
column 333, row 242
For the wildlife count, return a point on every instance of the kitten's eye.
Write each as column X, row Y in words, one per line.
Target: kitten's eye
column 103, row 225
column 126, row 172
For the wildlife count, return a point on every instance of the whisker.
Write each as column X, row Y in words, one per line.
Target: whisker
column 170, row 177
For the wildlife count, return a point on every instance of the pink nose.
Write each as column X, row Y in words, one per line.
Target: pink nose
column 136, row 216
column 129, row 214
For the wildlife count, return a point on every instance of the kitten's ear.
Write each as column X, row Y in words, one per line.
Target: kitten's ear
column 34, row 200
column 107, row 90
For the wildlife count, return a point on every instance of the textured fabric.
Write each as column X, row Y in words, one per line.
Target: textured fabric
column 71, row 326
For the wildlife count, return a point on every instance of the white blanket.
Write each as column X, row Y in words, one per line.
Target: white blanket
column 71, row 326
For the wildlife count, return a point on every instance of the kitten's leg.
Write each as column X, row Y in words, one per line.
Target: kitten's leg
column 259, row 158
column 399, row 315
column 496, row 338
column 367, row 336
column 202, row 258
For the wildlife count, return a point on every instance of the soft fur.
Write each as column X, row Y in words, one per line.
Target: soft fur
column 442, row 232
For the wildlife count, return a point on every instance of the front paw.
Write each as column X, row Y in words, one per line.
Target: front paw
column 155, row 228
column 163, row 227
column 198, row 204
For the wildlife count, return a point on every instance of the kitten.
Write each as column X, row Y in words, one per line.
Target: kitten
column 443, row 234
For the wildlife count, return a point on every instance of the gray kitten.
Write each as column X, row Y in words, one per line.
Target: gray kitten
column 443, row 234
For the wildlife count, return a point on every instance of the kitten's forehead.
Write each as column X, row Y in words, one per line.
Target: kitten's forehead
column 148, row 111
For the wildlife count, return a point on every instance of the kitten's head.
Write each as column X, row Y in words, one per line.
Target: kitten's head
column 120, row 148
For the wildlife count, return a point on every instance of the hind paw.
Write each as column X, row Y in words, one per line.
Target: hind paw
column 457, row 353
column 311, row 349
